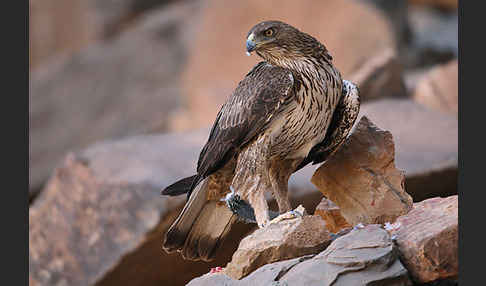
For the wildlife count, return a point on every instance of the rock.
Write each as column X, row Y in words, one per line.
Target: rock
column 426, row 145
column 331, row 214
column 380, row 76
column 361, row 177
column 113, row 89
column 209, row 78
column 434, row 37
column 101, row 220
column 363, row 257
column 427, row 238
column 448, row 5
column 62, row 27
column 438, row 89
column 265, row 275
column 279, row 241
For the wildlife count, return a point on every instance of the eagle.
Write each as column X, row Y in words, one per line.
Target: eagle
column 292, row 109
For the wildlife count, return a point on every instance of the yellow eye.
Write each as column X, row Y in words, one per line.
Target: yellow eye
column 268, row 32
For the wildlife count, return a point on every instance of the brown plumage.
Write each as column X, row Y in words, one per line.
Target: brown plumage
column 291, row 109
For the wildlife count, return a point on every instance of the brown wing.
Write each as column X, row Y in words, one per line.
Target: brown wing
column 260, row 95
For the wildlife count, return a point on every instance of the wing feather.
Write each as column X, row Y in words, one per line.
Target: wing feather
column 260, row 95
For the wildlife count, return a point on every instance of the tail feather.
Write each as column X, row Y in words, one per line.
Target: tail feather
column 200, row 228
column 180, row 187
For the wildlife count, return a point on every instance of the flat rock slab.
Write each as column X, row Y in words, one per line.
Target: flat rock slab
column 427, row 238
column 279, row 241
column 426, row 145
column 364, row 256
column 361, row 178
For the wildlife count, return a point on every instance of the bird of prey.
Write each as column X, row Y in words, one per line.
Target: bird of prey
column 291, row 109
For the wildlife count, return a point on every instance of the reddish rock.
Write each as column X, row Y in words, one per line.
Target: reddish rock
column 331, row 214
column 361, row 177
column 426, row 145
column 210, row 76
column 427, row 239
column 279, row 241
column 439, row 88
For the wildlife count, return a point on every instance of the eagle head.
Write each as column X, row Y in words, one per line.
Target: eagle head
column 280, row 43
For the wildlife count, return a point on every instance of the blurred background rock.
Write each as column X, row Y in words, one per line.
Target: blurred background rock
column 104, row 71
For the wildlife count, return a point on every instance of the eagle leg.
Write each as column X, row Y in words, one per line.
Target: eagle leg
column 279, row 173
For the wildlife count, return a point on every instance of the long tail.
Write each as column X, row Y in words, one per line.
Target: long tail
column 201, row 226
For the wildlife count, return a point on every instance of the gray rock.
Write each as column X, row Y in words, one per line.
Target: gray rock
column 364, row 256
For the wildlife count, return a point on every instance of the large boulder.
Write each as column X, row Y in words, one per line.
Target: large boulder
column 125, row 86
column 427, row 238
column 364, row 256
column 361, row 177
column 217, row 61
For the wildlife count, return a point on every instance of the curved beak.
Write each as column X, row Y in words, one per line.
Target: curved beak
column 250, row 44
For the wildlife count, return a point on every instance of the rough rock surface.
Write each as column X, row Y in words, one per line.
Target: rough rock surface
column 125, row 86
column 331, row 214
column 279, row 241
column 364, row 256
column 426, row 145
column 427, row 238
column 101, row 219
column 438, row 89
column 209, row 78
column 361, row 177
